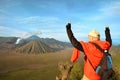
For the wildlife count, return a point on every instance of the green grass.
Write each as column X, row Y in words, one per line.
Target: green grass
column 116, row 65
column 32, row 67
column 42, row 66
column 29, row 74
column 116, row 60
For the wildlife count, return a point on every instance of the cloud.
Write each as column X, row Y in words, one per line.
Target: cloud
column 106, row 11
column 37, row 23
column 112, row 9
column 34, row 23
column 9, row 31
column 2, row 28
column 27, row 34
column 4, row 13
column 36, row 19
column 61, row 35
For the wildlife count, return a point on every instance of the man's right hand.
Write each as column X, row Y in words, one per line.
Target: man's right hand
column 68, row 26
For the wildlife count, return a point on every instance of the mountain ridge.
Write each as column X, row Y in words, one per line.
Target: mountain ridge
column 33, row 41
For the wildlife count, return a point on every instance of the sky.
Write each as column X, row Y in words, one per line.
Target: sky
column 48, row 18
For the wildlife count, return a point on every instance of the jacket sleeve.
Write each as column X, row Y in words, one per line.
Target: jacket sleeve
column 108, row 36
column 73, row 40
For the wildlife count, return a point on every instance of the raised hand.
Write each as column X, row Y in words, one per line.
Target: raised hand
column 68, row 26
column 107, row 28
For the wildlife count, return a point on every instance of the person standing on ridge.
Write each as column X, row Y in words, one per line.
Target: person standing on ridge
column 90, row 51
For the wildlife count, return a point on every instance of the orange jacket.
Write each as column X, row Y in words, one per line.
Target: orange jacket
column 93, row 54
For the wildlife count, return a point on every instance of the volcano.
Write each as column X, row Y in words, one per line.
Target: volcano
column 34, row 47
column 33, row 37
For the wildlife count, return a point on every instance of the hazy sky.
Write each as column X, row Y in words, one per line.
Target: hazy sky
column 48, row 18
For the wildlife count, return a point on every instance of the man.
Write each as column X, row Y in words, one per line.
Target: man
column 92, row 54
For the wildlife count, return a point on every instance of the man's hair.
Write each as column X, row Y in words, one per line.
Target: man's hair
column 94, row 33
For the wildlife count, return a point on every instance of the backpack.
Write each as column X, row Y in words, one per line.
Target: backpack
column 104, row 68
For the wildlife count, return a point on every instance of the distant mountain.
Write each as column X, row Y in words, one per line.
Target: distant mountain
column 53, row 43
column 34, row 47
column 21, row 41
column 10, row 40
column 56, row 43
column 7, row 43
column 49, row 44
column 33, row 37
